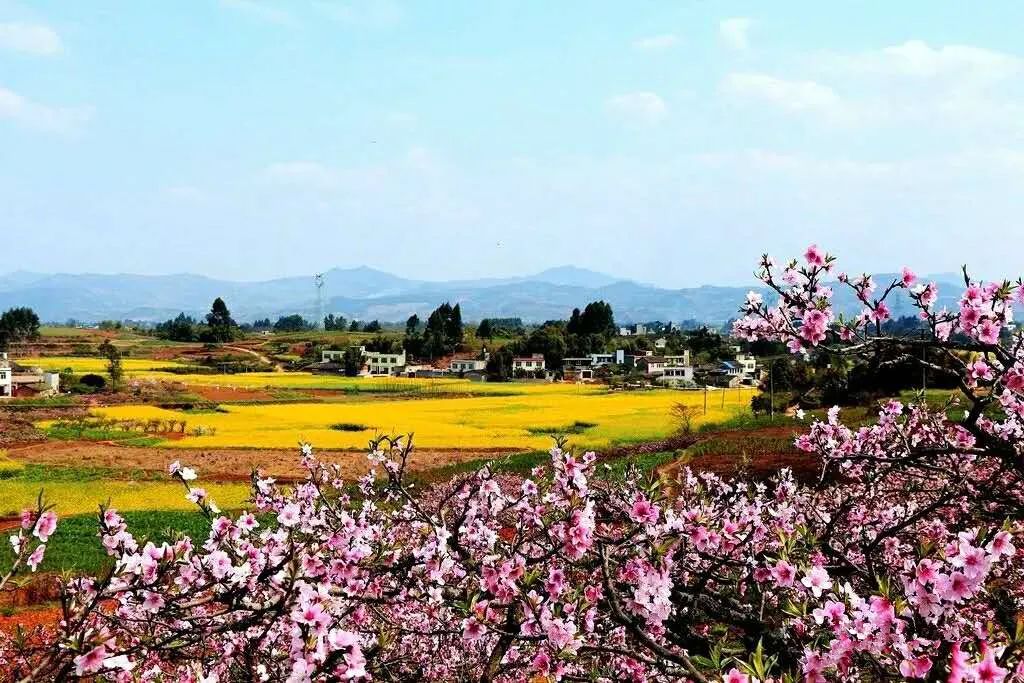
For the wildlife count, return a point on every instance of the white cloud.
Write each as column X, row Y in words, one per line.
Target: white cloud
column 735, row 32
column 916, row 59
column 645, row 108
column 264, row 11
column 24, row 111
column 374, row 13
column 31, row 39
column 794, row 96
column 656, row 43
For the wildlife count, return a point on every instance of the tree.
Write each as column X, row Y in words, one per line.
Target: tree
column 597, row 318
column 352, row 361
column 549, row 340
column 485, row 330
column 443, row 331
column 93, row 381
column 182, row 328
column 354, row 326
column 114, row 367
column 17, row 325
column 499, row 365
column 898, row 562
column 372, row 326
column 453, row 327
column 292, row 323
column 412, row 325
column 222, row 327
column 332, row 323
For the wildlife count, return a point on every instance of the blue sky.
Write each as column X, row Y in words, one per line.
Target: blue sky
column 669, row 142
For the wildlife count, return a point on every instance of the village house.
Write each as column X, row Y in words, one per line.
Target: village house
column 678, row 360
column 469, row 362
column 651, row 365
column 6, row 373
column 748, row 365
column 19, row 382
column 676, row 375
column 375, row 364
column 529, row 364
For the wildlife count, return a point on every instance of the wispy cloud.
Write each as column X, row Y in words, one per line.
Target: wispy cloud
column 656, row 43
column 735, row 32
column 795, row 96
column 916, row 59
column 23, row 111
column 31, row 39
column 373, row 13
column 644, row 108
column 262, row 10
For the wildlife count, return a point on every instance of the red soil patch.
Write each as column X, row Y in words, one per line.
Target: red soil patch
column 30, row 618
column 227, row 464
column 756, row 454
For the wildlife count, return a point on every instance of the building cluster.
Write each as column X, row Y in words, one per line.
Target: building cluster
column 670, row 370
column 17, row 381
column 466, row 365
column 673, row 370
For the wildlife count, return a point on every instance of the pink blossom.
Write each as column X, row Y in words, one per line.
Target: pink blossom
column 36, row 558
column 91, row 661
column 817, row 580
column 1001, row 545
column 736, row 676
column 643, row 511
column 289, row 515
column 918, row 667
column 784, row 573
column 907, row 276
column 814, row 256
column 46, row 525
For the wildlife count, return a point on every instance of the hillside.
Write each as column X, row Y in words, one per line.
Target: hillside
column 366, row 293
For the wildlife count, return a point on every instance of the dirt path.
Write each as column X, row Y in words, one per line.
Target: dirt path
column 225, row 464
column 753, row 453
column 262, row 358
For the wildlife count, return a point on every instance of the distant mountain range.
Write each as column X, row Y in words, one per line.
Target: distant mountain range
column 368, row 294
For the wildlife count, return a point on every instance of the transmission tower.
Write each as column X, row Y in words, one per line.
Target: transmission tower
column 318, row 280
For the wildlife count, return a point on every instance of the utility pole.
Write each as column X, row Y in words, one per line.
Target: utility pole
column 705, row 399
column 771, row 390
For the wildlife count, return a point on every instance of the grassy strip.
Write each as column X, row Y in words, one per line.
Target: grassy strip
column 76, row 546
column 75, row 432
column 577, row 427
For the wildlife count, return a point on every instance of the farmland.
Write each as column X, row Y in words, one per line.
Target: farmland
column 522, row 421
column 175, row 403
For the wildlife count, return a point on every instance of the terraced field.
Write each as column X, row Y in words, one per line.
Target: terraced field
column 80, row 365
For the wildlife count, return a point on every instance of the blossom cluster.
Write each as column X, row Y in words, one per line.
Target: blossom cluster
column 902, row 562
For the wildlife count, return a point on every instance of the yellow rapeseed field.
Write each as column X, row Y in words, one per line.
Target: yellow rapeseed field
column 81, row 365
column 307, row 380
column 73, row 498
column 518, row 421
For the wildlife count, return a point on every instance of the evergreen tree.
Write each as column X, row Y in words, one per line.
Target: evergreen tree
column 352, row 361
column 222, row 326
column 18, row 324
column 114, row 366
